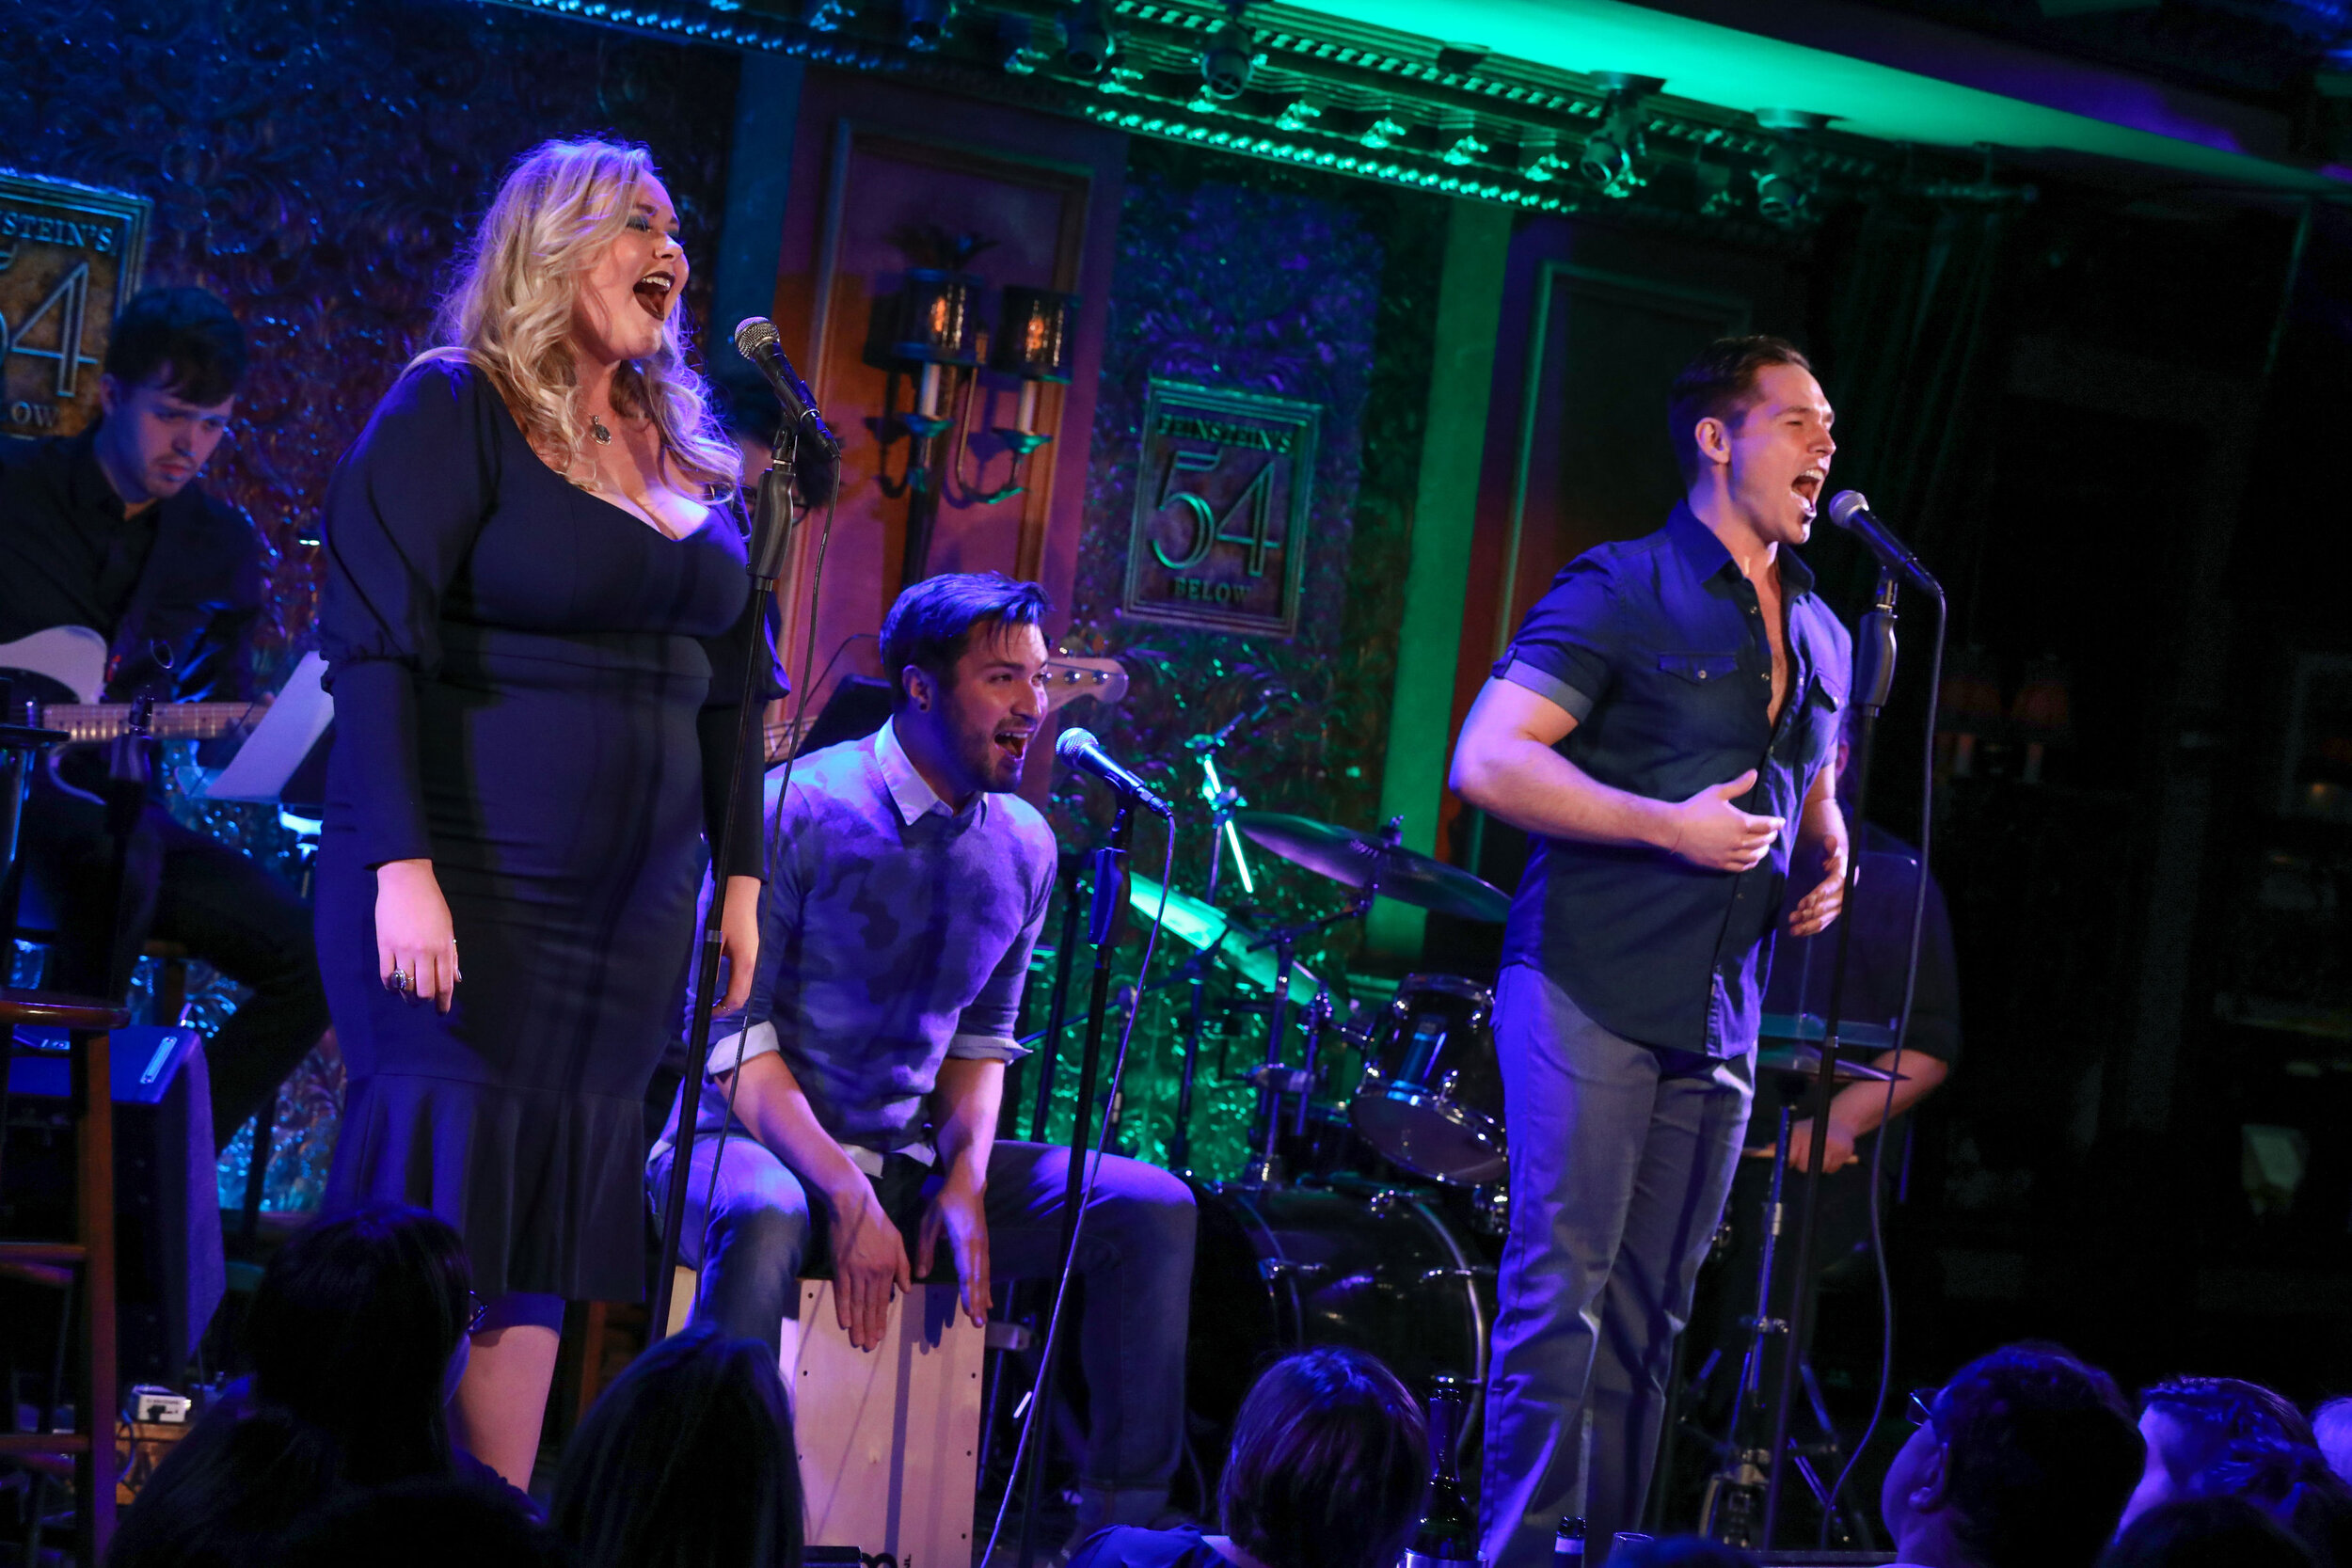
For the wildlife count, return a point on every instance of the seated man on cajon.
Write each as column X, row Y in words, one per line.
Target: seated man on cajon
column 906, row 888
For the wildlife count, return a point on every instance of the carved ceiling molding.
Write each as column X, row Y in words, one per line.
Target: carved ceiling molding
column 1329, row 94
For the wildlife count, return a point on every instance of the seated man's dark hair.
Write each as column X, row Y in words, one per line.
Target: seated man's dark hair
column 1719, row 385
column 353, row 1328
column 185, row 334
column 446, row 1522
column 2041, row 1455
column 225, row 1493
column 931, row 624
column 687, row 1460
column 2206, row 1532
column 1329, row 1464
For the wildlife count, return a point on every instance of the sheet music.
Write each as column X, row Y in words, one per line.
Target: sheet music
column 278, row 743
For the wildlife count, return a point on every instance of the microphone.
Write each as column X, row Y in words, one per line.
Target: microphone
column 1079, row 749
column 757, row 341
column 1850, row 510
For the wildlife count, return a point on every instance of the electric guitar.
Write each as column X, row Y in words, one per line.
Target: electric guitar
column 64, row 671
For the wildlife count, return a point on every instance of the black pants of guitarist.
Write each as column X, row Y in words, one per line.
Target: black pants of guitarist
column 177, row 886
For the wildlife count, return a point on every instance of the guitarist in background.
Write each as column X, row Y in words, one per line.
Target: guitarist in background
column 108, row 530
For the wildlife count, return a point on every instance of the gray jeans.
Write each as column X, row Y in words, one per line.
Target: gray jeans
column 1621, row 1158
column 1135, row 1255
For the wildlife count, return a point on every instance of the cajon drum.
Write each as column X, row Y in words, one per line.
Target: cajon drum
column 888, row 1439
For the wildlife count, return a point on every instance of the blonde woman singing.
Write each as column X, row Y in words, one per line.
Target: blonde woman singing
column 535, row 620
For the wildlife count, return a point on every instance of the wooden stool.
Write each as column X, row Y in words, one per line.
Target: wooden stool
column 89, row 1446
column 888, row 1439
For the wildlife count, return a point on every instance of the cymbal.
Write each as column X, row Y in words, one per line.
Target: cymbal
column 1806, row 1061
column 1199, row 922
column 1358, row 860
column 1810, row 1027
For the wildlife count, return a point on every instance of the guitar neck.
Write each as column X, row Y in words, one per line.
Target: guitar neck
column 87, row 722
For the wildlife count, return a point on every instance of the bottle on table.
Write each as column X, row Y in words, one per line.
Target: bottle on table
column 1448, row 1536
column 1567, row 1547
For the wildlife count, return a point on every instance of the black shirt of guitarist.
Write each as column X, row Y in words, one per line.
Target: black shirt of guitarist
column 107, row 533
column 109, row 530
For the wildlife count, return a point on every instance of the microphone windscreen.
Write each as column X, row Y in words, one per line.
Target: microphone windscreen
column 1073, row 743
column 753, row 333
column 1843, row 505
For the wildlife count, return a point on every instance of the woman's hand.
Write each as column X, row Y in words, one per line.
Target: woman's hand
column 738, row 941
column 413, row 935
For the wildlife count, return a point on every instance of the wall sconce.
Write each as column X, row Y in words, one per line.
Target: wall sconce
column 937, row 311
column 939, row 344
column 1034, row 329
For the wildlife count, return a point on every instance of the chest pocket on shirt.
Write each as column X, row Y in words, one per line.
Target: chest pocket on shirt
column 1700, row 669
column 1822, row 719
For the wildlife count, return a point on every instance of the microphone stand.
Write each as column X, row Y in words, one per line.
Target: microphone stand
column 1873, row 680
column 772, row 529
column 1103, row 928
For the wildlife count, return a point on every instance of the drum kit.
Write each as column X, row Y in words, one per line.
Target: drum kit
column 1370, row 1211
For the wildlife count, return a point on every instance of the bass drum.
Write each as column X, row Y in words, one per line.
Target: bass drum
column 1281, row 1269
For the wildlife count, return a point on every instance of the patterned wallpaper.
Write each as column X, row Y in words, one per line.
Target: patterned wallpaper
column 1254, row 277
column 316, row 163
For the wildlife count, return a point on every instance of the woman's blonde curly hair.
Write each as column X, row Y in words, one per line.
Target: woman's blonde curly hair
column 510, row 314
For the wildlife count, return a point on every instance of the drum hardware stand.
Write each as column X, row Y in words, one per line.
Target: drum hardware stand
column 1873, row 680
column 1109, row 890
column 1196, row 971
column 1223, row 800
column 1318, row 1019
column 1265, row 1168
column 1729, row 1509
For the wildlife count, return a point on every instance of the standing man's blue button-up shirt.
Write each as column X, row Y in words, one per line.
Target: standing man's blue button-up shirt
column 1658, row 648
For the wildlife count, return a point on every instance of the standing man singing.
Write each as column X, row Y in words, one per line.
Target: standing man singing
column 1664, row 726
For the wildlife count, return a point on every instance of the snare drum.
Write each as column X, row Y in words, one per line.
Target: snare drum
column 1431, row 1098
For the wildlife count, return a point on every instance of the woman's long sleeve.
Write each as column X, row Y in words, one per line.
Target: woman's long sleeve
column 715, row 726
column 402, row 511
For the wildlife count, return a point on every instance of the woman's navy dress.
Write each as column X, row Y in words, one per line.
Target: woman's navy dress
column 536, row 691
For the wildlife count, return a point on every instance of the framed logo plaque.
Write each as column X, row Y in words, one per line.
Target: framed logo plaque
column 1224, row 489
column 69, row 258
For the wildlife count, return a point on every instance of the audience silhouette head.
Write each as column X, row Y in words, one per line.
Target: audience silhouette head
column 1329, row 1466
column 358, row 1328
column 2025, row 1462
column 686, row 1460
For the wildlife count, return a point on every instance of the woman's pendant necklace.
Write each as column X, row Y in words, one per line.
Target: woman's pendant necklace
column 596, row 427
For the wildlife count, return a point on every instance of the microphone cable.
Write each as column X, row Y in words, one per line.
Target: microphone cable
column 1086, row 1201
column 1895, row 1068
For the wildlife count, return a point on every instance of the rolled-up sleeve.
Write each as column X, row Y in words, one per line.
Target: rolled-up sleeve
column 1567, row 646
column 402, row 511
column 986, row 1029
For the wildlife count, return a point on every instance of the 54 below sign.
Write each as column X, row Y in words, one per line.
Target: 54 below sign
column 69, row 258
column 1223, row 494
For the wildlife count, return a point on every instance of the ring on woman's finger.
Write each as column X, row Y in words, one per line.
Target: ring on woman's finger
column 398, row 981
